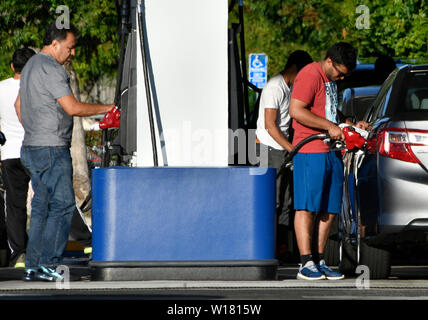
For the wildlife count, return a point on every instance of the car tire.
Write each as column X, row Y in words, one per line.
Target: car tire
column 348, row 258
column 377, row 260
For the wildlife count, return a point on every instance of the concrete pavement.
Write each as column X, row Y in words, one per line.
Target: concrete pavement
column 401, row 277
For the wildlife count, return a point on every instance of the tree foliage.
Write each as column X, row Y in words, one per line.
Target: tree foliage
column 276, row 27
column 398, row 28
column 22, row 23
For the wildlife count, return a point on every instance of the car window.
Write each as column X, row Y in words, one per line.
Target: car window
column 416, row 95
column 410, row 101
column 363, row 75
column 380, row 112
column 361, row 105
column 379, row 103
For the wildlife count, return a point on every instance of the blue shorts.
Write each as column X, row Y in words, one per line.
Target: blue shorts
column 318, row 182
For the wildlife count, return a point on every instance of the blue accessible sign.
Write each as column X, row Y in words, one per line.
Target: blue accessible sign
column 258, row 69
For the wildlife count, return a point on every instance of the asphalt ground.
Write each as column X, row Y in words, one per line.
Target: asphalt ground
column 406, row 288
column 402, row 278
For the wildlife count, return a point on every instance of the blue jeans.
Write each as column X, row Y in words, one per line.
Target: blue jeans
column 53, row 203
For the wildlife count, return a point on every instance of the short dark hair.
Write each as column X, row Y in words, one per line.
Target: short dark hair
column 20, row 58
column 300, row 58
column 54, row 33
column 343, row 53
column 385, row 64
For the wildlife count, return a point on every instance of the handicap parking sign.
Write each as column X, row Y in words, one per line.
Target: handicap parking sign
column 258, row 69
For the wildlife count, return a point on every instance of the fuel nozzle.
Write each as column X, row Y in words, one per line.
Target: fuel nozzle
column 111, row 119
column 353, row 138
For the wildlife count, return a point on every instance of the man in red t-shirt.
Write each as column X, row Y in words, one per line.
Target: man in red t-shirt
column 318, row 173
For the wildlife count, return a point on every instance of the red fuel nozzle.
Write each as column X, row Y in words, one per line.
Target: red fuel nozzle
column 353, row 139
column 111, row 119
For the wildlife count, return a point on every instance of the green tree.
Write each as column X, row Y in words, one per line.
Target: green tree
column 277, row 27
column 22, row 23
column 397, row 28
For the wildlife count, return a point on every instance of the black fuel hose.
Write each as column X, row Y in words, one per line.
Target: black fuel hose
column 244, row 63
column 289, row 157
column 124, row 14
column 146, row 82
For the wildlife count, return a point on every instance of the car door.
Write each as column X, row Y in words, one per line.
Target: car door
column 362, row 172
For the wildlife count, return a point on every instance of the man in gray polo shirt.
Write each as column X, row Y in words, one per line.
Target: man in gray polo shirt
column 46, row 106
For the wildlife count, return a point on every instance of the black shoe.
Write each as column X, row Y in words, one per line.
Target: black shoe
column 37, row 275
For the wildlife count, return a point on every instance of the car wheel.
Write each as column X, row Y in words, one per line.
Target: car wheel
column 377, row 260
column 331, row 252
column 348, row 258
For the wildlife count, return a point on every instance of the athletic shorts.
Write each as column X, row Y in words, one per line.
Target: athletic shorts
column 318, row 182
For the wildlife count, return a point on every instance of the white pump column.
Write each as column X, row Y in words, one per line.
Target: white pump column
column 186, row 44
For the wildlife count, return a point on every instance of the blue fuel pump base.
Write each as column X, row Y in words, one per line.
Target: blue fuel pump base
column 168, row 223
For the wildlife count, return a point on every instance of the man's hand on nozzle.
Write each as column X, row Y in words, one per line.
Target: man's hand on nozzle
column 111, row 118
column 111, row 107
column 335, row 132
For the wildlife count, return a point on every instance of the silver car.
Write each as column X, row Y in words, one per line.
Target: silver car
column 385, row 199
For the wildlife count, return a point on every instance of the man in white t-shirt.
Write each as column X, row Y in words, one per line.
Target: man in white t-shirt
column 273, row 134
column 15, row 177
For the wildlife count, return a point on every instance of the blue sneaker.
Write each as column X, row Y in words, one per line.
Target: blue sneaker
column 51, row 273
column 310, row 272
column 329, row 273
column 37, row 275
